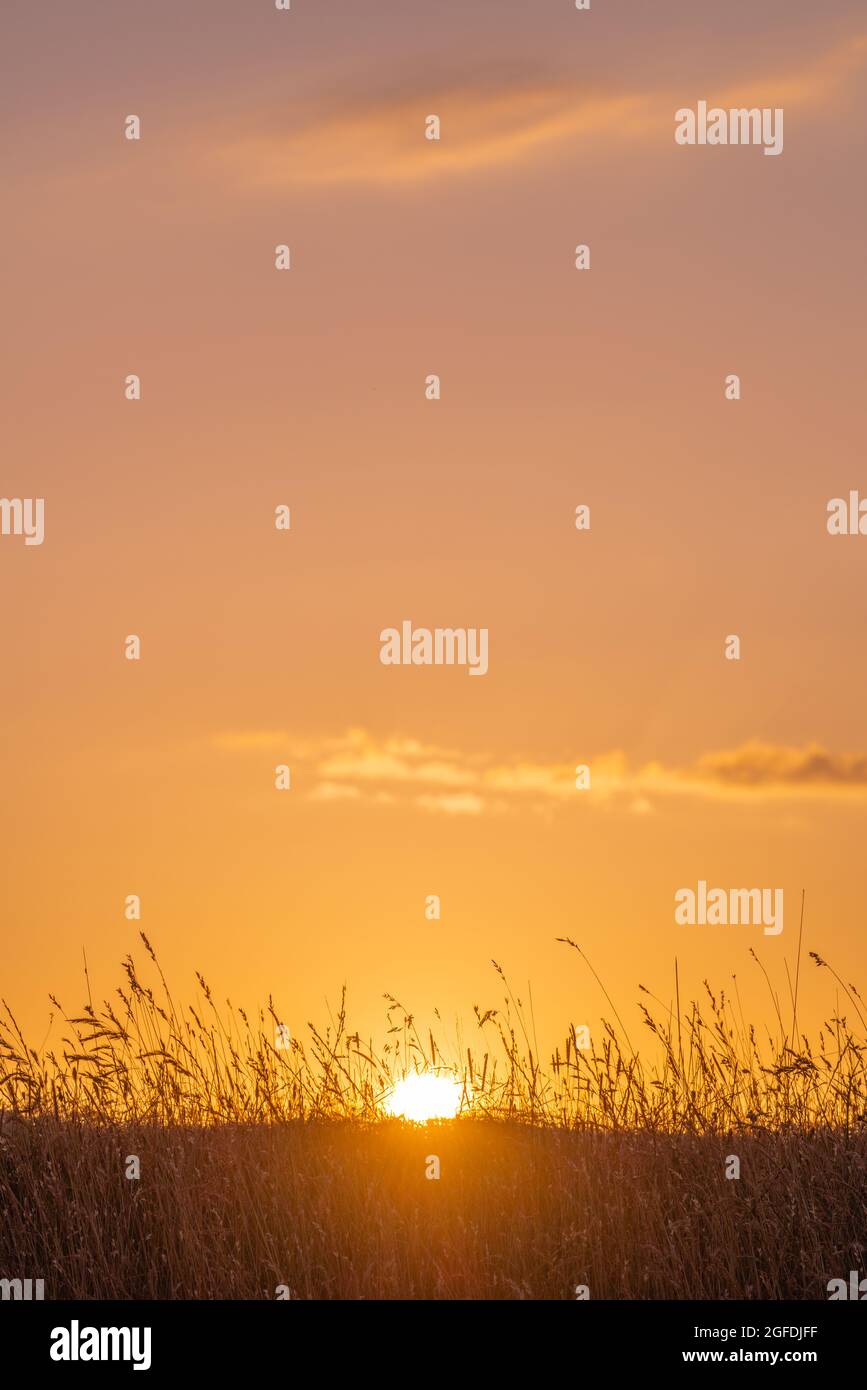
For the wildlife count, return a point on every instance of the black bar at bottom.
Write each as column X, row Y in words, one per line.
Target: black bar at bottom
column 275, row 1339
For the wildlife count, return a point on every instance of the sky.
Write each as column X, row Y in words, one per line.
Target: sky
column 306, row 388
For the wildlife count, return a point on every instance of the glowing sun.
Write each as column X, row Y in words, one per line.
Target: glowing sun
column 425, row 1097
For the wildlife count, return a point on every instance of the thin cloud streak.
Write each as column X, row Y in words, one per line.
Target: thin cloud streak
column 358, row 767
column 485, row 127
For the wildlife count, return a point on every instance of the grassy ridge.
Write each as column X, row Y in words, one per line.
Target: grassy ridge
column 344, row 1210
column 264, row 1166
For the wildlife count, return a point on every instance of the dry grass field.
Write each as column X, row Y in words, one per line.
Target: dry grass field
column 265, row 1166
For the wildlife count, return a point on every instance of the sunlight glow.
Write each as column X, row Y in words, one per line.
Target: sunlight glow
column 425, row 1097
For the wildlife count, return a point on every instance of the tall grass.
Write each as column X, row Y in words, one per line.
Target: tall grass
column 264, row 1167
column 142, row 1058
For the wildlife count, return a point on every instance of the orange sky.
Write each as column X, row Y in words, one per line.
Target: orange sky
column 307, row 388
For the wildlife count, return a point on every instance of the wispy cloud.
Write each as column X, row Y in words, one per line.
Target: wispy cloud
column 358, row 767
column 459, row 804
column 491, row 123
column 383, row 141
column 334, row 791
column 757, row 765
